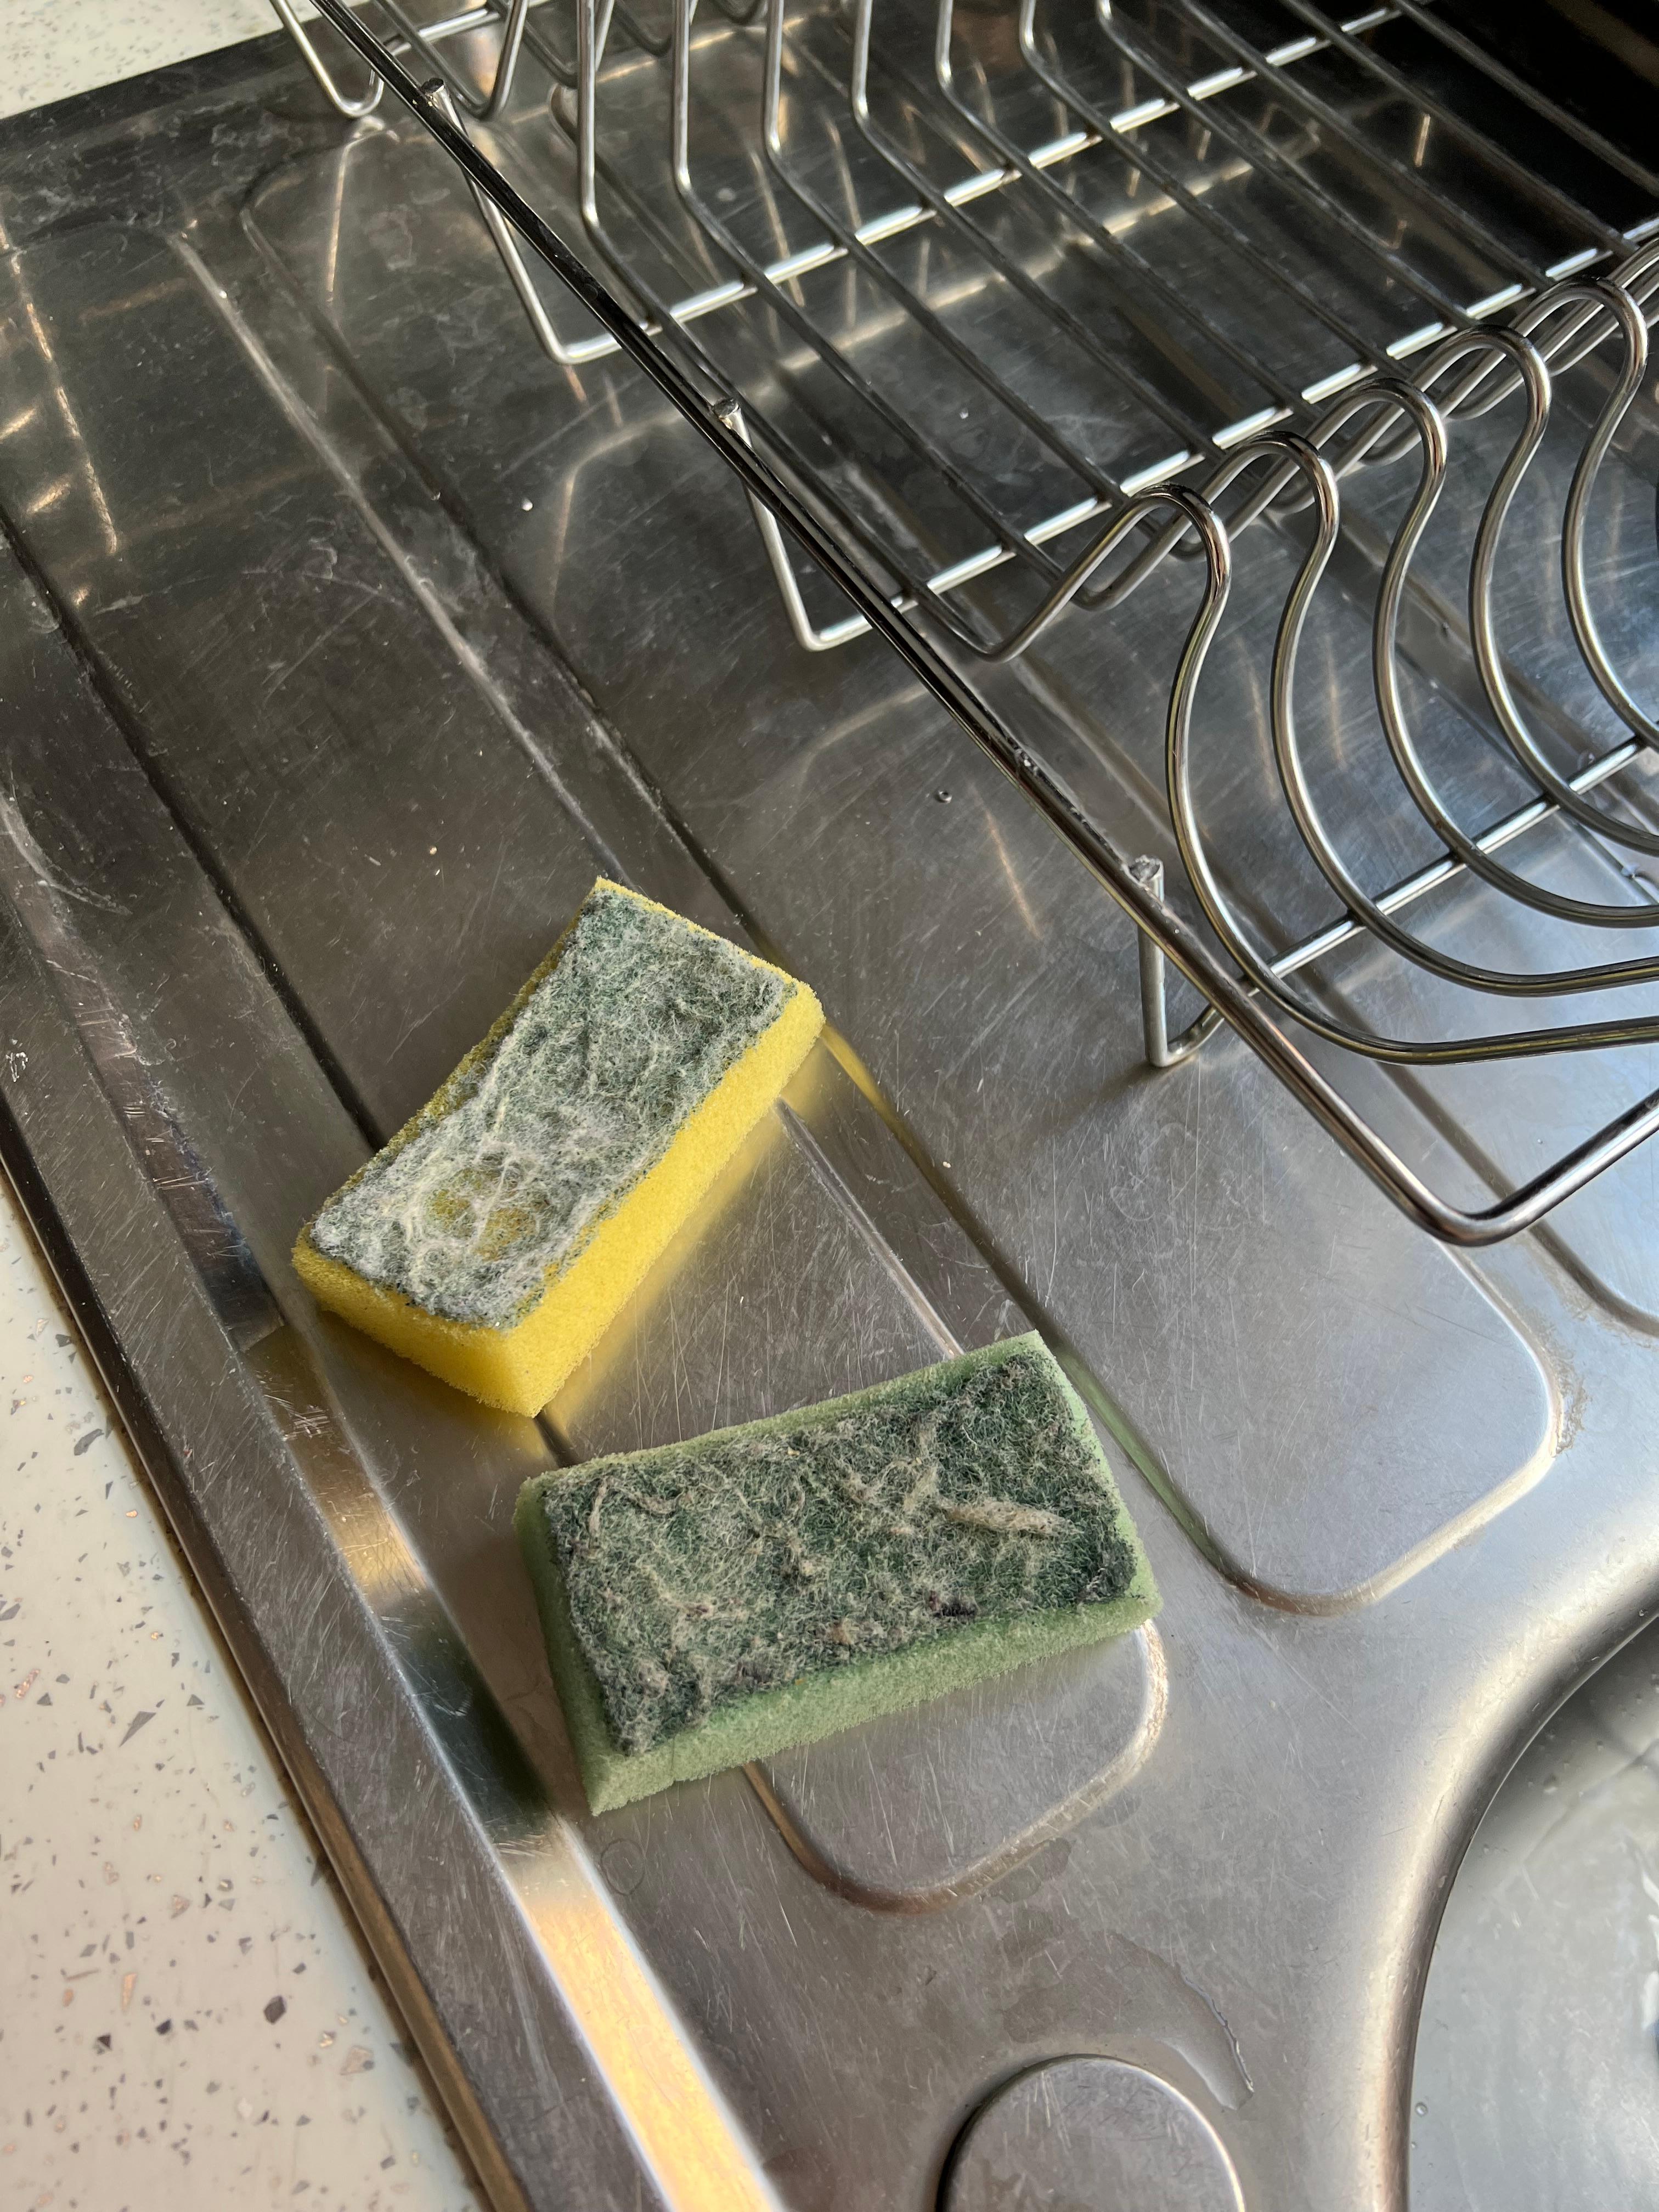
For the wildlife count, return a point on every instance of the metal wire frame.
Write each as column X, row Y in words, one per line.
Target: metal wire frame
column 1469, row 396
column 1372, row 913
column 771, row 283
column 520, row 33
column 595, row 25
column 1172, row 98
column 1513, row 360
column 721, row 295
column 1559, row 118
column 1006, row 163
column 1364, row 913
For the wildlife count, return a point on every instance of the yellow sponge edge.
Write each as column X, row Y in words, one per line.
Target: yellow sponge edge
column 519, row 1368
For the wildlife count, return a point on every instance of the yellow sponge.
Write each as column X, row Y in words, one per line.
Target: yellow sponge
column 494, row 1239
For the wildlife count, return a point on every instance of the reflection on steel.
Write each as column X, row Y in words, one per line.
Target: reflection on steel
column 1369, row 415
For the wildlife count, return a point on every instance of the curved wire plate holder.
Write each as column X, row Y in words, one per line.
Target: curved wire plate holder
column 1371, row 413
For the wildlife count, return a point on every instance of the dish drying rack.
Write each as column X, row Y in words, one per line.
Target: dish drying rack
column 1393, row 408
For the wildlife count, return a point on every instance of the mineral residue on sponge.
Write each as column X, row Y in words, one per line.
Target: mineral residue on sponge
column 716, row 1602
column 495, row 1237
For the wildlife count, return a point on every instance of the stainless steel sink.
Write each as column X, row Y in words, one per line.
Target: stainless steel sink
column 1537, row 2080
column 346, row 634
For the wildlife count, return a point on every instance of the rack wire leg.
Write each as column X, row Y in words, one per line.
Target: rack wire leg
column 1161, row 1049
column 1154, row 1004
column 815, row 640
column 353, row 110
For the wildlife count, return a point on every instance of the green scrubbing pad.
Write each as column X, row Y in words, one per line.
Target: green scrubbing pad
column 712, row 1602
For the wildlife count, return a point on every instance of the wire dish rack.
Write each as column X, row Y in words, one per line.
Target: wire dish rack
column 1192, row 287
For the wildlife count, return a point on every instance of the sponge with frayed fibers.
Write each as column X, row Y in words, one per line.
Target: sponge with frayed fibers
column 712, row 1602
column 494, row 1239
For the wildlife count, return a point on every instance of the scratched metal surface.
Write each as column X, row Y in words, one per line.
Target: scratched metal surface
column 344, row 643
column 1547, row 1970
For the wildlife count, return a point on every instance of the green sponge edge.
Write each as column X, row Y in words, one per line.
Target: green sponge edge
column 818, row 1704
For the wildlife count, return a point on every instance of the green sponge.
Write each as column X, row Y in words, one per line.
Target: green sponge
column 712, row 1602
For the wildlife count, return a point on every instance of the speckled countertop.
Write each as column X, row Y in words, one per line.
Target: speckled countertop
column 187, row 2019
column 55, row 47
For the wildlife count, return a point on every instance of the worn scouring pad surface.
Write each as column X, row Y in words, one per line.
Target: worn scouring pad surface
column 715, row 1602
column 495, row 1237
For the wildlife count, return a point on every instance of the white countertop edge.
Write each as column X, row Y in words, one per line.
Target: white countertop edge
column 54, row 48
